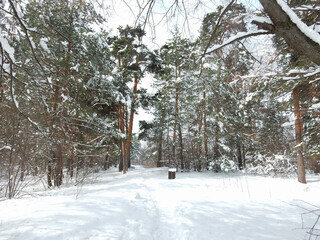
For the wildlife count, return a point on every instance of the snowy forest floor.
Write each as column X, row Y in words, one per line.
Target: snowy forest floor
column 144, row 204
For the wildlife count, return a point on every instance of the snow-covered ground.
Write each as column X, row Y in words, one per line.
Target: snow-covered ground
column 144, row 204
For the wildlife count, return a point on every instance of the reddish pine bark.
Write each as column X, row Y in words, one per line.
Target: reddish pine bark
column 299, row 132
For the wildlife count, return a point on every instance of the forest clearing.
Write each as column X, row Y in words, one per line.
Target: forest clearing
column 99, row 99
column 145, row 204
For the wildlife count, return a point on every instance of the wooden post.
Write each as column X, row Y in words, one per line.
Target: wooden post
column 172, row 173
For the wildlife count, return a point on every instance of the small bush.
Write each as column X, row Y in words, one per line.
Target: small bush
column 223, row 164
column 271, row 165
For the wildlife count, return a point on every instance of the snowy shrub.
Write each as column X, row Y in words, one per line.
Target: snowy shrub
column 223, row 164
column 271, row 165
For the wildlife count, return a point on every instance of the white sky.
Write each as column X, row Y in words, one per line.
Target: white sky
column 125, row 12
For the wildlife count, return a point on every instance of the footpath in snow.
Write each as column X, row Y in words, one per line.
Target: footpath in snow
column 144, row 204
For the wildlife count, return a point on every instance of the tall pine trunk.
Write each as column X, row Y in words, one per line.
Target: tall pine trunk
column 132, row 110
column 216, row 153
column 239, row 156
column 299, row 132
column 205, row 139
column 159, row 152
column 181, row 148
column 58, row 165
column 121, row 112
column 177, row 125
column 176, row 112
column 123, row 158
column 315, row 160
column 199, row 150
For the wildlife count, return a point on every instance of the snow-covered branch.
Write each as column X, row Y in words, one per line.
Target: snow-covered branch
column 310, row 33
column 289, row 26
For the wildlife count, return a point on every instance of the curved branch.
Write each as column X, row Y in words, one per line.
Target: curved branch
column 217, row 25
column 15, row 103
column 15, row 13
column 237, row 37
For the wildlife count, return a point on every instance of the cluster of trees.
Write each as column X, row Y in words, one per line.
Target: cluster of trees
column 69, row 92
column 66, row 97
column 212, row 112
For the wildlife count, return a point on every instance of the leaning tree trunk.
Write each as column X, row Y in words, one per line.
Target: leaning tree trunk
column 284, row 27
column 299, row 132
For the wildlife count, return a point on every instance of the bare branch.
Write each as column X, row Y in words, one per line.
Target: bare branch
column 237, row 37
column 148, row 5
column 27, row 36
column 217, row 25
column 16, row 105
column 125, row 2
column 186, row 19
column 248, row 52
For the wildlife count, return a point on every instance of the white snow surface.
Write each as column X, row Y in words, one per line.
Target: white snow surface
column 144, row 204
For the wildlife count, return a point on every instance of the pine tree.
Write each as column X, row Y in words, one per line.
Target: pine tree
column 133, row 59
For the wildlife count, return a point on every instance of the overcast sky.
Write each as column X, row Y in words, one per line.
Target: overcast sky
column 160, row 27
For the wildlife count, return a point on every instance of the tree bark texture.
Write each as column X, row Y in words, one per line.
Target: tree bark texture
column 239, row 156
column 175, row 123
column 123, row 161
column 159, row 152
column 315, row 160
column 58, row 165
column 106, row 160
column 216, row 153
column 199, row 150
column 299, row 132
column 205, row 138
column 132, row 110
column 49, row 173
column 284, row 27
column 181, row 148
